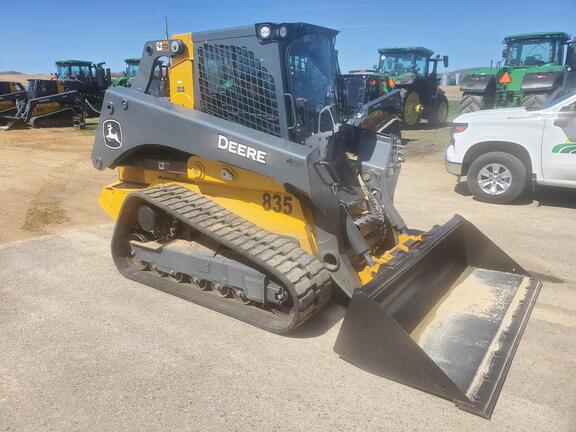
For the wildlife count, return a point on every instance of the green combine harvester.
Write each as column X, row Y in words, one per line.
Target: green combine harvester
column 533, row 67
column 414, row 70
column 132, row 66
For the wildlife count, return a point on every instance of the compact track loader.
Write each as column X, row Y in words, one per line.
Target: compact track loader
column 245, row 191
column 45, row 103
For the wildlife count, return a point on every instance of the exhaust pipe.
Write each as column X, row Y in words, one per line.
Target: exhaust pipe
column 445, row 317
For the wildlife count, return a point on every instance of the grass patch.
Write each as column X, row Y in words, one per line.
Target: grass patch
column 91, row 126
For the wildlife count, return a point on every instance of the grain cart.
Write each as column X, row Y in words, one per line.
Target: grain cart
column 532, row 69
column 246, row 192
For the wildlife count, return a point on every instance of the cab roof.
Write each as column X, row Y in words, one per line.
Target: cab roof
column 76, row 62
column 132, row 60
column 409, row 49
column 565, row 37
column 365, row 72
column 294, row 30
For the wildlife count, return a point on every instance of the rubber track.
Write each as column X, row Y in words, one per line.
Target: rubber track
column 302, row 274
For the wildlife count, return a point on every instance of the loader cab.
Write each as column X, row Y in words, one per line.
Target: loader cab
column 535, row 49
column 281, row 79
column 83, row 75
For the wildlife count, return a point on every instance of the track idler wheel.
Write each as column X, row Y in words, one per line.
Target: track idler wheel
column 239, row 295
column 177, row 276
column 223, row 291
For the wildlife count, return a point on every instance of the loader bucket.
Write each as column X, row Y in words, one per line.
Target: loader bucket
column 445, row 318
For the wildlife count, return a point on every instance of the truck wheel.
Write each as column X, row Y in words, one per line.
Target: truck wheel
column 535, row 100
column 471, row 103
column 440, row 114
column 497, row 177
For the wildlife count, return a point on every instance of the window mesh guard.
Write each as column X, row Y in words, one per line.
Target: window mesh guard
column 236, row 87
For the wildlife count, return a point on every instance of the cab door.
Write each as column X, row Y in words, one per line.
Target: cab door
column 559, row 144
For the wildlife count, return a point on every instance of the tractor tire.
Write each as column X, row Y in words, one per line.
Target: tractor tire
column 535, row 100
column 440, row 113
column 497, row 177
column 472, row 102
column 411, row 107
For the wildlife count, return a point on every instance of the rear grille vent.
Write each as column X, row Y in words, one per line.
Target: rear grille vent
column 236, row 87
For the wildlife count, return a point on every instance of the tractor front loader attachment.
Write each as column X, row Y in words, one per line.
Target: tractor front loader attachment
column 445, row 317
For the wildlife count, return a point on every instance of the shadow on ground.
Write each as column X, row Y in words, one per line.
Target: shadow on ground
column 544, row 196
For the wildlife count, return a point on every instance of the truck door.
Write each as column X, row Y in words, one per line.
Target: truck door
column 559, row 144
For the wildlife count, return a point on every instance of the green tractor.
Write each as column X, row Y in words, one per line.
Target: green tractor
column 132, row 66
column 90, row 79
column 414, row 70
column 533, row 68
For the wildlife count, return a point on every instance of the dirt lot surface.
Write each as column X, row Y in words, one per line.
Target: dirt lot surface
column 22, row 78
column 48, row 181
column 452, row 92
column 85, row 349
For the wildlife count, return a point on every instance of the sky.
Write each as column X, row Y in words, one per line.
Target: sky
column 470, row 32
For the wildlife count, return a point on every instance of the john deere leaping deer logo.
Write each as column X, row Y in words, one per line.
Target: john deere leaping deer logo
column 112, row 131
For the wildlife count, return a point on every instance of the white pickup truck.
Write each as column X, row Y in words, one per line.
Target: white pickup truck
column 502, row 152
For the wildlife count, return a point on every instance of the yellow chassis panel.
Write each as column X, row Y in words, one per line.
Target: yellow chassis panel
column 256, row 198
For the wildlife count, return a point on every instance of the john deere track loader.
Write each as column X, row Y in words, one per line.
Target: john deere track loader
column 244, row 191
column 45, row 103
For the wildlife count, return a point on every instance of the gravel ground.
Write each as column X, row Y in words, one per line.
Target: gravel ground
column 84, row 349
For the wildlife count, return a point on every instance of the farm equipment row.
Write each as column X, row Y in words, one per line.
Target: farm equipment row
column 75, row 92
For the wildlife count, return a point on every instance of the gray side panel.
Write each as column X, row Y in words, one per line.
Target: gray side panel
column 148, row 120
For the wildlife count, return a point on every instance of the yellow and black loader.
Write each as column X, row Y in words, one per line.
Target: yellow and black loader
column 242, row 188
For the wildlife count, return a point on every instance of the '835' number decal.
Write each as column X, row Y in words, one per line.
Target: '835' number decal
column 277, row 203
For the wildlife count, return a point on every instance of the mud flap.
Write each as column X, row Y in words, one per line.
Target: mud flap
column 445, row 318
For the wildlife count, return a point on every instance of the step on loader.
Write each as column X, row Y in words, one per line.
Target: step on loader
column 245, row 190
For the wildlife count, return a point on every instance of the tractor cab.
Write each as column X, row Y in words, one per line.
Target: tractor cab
column 535, row 49
column 89, row 79
column 415, row 69
column 83, row 75
column 132, row 66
